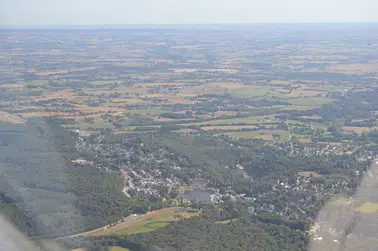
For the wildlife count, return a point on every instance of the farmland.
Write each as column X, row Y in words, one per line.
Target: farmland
column 104, row 130
column 263, row 134
column 149, row 222
column 116, row 248
column 308, row 174
column 368, row 208
column 129, row 87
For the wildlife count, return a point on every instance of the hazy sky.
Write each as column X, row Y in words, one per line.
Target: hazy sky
column 86, row 12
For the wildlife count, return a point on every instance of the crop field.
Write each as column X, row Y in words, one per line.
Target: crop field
column 355, row 68
column 4, row 116
column 357, row 129
column 188, row 130
column 221, row 87
column 245, row 120
column 210, row 128
column 368, row 208
column 117, row 248
column 309, row 173
column 251, row 92
column 309, row 101
column 260, row 134
column 149, row 222
column 342, row 201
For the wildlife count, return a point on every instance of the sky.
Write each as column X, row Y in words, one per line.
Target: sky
column 100, row 12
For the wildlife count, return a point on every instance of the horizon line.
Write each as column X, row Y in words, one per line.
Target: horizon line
column 109, row 26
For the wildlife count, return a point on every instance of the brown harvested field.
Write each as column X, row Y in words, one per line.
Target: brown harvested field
column 358, row 120
column 209, row 128
column 12, row 86
column 165, row 214
column 97, row 115
column 12, row 118
column 281, row 91
column 225, row 113
column 117, row 248
column 309, row 173
column 222, row 70
column 156, row 118
column 101, row 82
column 311, row 117
column 128, row 100
column 355, row 68
column 357, row 129
column 99, row 91
column 304, row 140
column 85, row 108
column 64, row 94
column 47, row 73
column 226, row 85
column 201, row 91
column 27, row 115
column 162, row 84
column 49, row 114
column 181, row 101
column 183, row 70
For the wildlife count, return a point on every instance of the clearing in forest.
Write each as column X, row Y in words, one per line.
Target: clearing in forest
column 309, row 173
column 368, row 208
column 149, row 222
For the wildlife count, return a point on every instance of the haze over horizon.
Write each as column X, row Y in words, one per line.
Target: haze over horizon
column 117, row 12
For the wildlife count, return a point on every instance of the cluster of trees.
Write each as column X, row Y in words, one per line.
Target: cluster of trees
column 206, row 233
column 45, row 194
column 48, row 195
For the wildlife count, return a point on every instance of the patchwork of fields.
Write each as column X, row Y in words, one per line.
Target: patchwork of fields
column 127, row 88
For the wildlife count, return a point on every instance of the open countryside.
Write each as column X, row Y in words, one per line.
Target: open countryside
column 220, row 137
column 147, row 222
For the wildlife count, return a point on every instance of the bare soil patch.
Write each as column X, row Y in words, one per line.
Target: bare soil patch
column 210, row 128
column 357, row 129
column 8, row 117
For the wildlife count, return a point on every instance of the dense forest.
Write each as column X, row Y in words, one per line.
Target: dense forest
column 207, row 233
column 45, row 193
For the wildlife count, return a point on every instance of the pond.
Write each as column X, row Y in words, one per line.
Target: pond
column 198, row 195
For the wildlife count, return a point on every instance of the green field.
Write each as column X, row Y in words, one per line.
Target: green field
column 246, row 120
column 368, row 208
column 151, row 111
column 150, row 222
column 260, row 134
column 39, row 82
column 116, row 248
column 309, row 173
column 299, row 108
column 309, row 101
column 251, row 92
